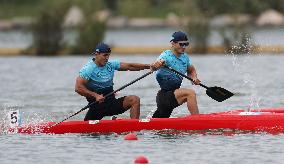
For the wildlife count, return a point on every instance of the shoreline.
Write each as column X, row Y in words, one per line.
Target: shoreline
column 147, row 50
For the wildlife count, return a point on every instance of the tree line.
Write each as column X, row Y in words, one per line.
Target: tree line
column 48, row 31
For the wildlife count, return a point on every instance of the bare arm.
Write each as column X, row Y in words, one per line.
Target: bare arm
column 191, row 72
column 80, row 88
column 133, row 66
column 157, row 64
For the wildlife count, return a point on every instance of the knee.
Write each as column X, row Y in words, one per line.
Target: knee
column 134, row 99
column 191, row 93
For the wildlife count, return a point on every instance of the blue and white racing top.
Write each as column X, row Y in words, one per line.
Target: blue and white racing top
column 100, row 79
column 166, row 78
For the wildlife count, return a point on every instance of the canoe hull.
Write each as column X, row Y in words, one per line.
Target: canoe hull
column 271, row 122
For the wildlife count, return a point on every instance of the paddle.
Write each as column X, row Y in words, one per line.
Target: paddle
column 107, row 95
column 217, row 93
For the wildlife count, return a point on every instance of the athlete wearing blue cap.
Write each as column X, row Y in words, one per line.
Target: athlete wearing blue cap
column 96, row 80
column 170, row 82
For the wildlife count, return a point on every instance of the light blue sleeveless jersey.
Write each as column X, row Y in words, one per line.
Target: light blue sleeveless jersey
column 100, row 79
column 166, row 78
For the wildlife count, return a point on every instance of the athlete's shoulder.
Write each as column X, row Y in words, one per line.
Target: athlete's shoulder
column 89, row 65
column 87, row 69
column 186, row 58
column 185, row 55
column 114, row 63
column 166, row 54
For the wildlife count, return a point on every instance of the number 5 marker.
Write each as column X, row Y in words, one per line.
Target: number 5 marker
column 14, row 118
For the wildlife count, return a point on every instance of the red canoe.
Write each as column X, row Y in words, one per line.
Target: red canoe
column 262, row 120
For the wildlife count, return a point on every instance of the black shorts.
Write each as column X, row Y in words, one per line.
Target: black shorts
column 108, row 108
column 166, row 102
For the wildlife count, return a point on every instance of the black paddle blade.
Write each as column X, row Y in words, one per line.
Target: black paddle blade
column 219, row 94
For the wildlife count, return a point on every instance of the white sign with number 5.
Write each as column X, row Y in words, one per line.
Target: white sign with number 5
column 14, row 118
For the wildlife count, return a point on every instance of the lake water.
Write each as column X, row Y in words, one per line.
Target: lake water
column 143, row 37
column 43, row 89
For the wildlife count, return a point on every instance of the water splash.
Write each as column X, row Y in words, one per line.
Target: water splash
column 243, row 47
column 5, row 109
column 26, row 117
column 150, row 114
column 241, row 61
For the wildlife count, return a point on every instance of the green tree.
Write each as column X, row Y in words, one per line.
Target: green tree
column 199, row 31
column 48, row 31
column 90, row 34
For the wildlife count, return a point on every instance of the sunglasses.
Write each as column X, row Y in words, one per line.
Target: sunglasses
column 183, row 44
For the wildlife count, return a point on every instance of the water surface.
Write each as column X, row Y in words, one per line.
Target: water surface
column 43, row 89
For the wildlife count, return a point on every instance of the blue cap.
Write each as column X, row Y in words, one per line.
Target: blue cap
column 179, row 36
column 102, row 48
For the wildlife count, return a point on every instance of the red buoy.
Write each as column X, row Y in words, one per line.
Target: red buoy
column 130, row 136
column 141, row 160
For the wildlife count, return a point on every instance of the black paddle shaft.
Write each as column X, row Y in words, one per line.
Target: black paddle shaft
column 217, row 93
column 177, row 72
column 107, row 95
